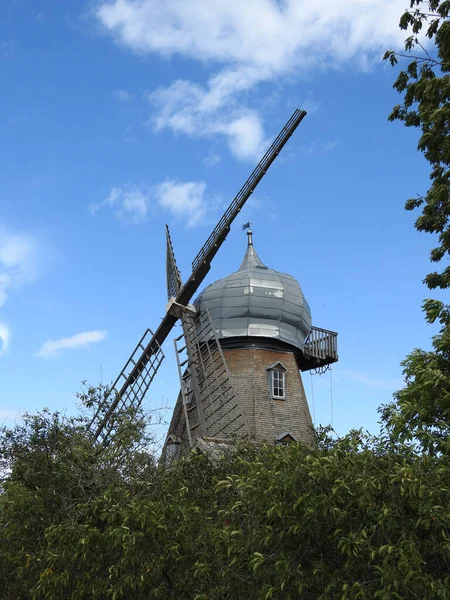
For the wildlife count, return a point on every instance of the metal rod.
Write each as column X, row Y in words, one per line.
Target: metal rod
column 183, row 395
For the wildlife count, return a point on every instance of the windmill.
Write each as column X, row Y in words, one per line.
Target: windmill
column 209, row 404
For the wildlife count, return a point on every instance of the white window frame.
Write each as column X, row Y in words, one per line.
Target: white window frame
column 187, row 387
column 277, row 381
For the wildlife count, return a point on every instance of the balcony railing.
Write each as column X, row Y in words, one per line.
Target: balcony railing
column 321, row 345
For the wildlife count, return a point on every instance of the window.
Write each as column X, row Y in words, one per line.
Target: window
column 278, row 384
column 285, row 438
column 277, row 381
column 173, row 449
column 187, row 389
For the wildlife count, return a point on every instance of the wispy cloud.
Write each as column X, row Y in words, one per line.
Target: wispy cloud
column 6, row 49
column 372, row 380
column 189, row 108
column 182, row 199
column 127, row 202
column 123, row 95
column 18, row 261
column 5, row 336
column 269, row 41
column 53, row 348
column 211, row 160
column 319, row 147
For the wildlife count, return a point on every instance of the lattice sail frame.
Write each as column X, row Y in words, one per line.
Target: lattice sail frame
column 173, row 276
column 127, row 392
column 210, row 405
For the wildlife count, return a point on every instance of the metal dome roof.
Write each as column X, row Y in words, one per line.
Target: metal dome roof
column 256, row 301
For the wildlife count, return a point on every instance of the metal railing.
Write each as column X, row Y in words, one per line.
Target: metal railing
column 321, row 343
column 249, row 185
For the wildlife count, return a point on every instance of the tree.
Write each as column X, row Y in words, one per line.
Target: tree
column 354, row 518
column 51, row 466
column 422, row 408
column 425, row 85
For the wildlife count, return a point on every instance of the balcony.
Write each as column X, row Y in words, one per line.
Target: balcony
column 320, row 349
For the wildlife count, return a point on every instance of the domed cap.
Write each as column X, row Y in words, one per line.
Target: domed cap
column 256, row 301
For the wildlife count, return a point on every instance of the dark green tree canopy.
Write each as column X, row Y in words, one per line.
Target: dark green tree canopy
column 359, row 517
column 422, row 408
column 425, row 86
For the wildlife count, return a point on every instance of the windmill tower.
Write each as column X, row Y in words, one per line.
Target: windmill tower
column 260, row 316
column 250, row 337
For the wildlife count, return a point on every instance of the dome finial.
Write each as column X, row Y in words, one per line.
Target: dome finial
column 248, row 226
column 251, row 259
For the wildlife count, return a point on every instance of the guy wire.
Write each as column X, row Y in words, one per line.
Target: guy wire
column 312, row 398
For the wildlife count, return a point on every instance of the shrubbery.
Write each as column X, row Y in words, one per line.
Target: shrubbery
column 354, row 518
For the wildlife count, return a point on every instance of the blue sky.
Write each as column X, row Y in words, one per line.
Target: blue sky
column 120, row 116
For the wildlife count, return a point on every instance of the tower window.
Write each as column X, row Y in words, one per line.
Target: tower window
column 277, row 381
column 186, row 382
column 278, row 384
column 285, row 438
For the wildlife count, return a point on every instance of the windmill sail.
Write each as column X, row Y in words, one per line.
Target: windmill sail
column 136, row 376
column 220, row 231
column 210, row 404
column 128, row 391
column 174, row 282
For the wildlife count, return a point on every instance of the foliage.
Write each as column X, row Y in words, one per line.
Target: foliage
column 422, row 408
column 425, row 85
column 50, row 466
column 352, row 518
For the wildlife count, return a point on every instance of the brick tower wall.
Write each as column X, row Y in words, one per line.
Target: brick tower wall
column 269, row 418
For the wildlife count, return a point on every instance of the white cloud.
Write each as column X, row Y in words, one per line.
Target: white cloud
column 245, row 136
column 128, row 202
column 5, row 336
column 186, row 107
column 18, row 256
column 266, row 41
column 123, row 95
column 268, row 34
column 52, row 348
column 211, row 160
column 183, row 200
